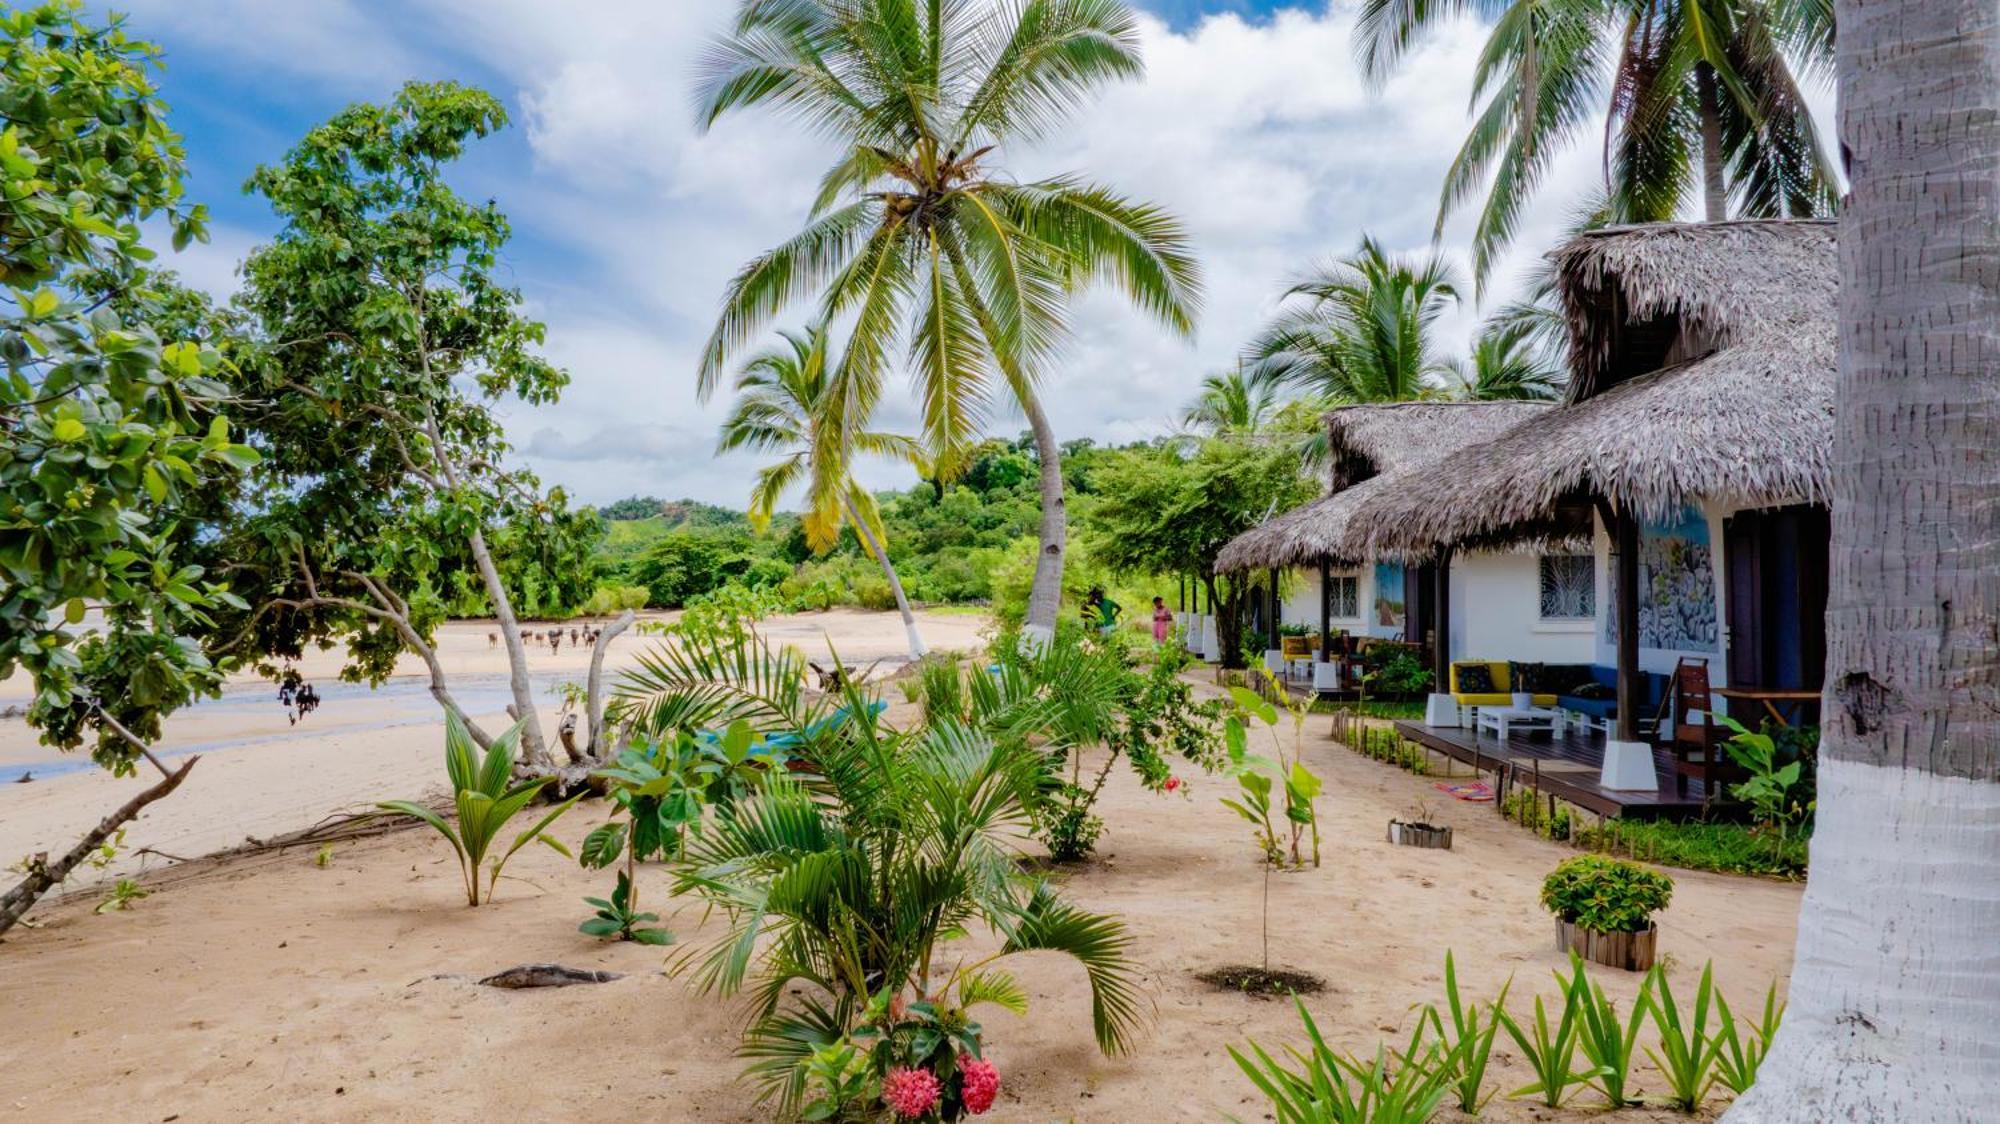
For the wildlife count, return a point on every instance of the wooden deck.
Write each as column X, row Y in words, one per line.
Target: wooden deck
column 1565, row 768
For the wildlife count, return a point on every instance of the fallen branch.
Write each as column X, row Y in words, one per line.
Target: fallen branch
column 44, row 876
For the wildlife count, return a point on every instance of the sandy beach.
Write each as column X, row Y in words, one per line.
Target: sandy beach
column 272, row 987
column 261, row 775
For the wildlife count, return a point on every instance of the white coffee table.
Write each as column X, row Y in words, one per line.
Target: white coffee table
column 1501, row 719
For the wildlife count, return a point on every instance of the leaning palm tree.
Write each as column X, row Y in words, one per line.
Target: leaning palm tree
column 1232, row 403
column 1697, row 91
column 1508, row 364
column 917, row 237
column 786, row 404
column 1360, row 329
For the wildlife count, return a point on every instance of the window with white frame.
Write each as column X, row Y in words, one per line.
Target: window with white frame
column 1569, row 587
column 1343, row 596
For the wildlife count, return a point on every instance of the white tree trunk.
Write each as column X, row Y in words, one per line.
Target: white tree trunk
column 534, row 749
column 916, row 641
column 1895, row 996
column 1045, row 596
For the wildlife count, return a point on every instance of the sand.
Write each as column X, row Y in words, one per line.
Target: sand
column 273, row 988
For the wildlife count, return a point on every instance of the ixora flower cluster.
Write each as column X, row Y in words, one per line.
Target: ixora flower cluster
column 917, row 1094
column 916, row 1059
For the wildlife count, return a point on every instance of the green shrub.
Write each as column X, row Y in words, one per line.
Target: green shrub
column 1725, row 847
column 1525, row 807
column 1606, row 895
column 611, row 599
column 874, row 592
column 1322, row 1087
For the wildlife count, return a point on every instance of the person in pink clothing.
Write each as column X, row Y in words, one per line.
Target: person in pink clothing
column 1163, row 620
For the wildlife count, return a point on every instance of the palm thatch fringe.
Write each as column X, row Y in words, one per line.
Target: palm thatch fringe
column 1739, row 316
column 1372, row 448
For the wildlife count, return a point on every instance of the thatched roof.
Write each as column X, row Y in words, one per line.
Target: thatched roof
column 1735, row 323
column 1372, row 448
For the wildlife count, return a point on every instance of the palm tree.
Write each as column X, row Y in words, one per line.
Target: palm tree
column 1895, row 1006
column 785, row 404
column 1694, row 89
column 1232, row 403
column 1359, row 329
column 916, row 237
column 1508, row 364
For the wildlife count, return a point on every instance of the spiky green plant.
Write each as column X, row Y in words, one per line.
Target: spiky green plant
column 482, row 804
column 1324, row 1087
column 1468, row 1040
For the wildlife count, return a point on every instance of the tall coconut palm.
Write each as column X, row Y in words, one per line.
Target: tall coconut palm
column 786, row 404
column 1895, row 991
column 1508, row 363
column 1360, row 329
column 1696, row 91
column 917, row 237
column 1232, row 403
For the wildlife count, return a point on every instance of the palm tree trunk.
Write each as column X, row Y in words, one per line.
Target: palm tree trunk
column 1895, row 993
column 1714, row 193
column 916, row 640
column 1045, row 596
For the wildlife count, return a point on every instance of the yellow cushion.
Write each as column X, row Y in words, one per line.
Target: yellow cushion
column 1500, row 700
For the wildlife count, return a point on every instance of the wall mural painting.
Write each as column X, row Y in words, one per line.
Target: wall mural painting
column 1677, row 602
column 1389, row 595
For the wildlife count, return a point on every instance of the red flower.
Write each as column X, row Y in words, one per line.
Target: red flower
column 1173, row 783
column 910, row 1092
column 982, row 1083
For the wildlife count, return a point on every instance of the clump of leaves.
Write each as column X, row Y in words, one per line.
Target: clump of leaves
column 1606, row 1042
column 121, row 896
column 323, row 857
column 483, row 804
column 619, row 918
column 1774, row 792
column 1606, row 895
column 1688, row 1050
column 1468, row 1041
column 1324, row 1087
column 1550, row 1050
column 1740, row 1055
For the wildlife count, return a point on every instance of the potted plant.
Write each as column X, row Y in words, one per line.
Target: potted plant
column 1523, row 700
column 1604, row 909
column 1419, row 831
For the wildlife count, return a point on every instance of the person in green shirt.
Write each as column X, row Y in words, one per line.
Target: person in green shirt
column 1100, row 612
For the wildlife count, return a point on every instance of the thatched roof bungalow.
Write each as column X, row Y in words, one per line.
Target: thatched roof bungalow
column 1698, row 427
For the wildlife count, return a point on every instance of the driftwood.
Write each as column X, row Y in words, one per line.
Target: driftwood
column 44, row 876
column 548, row 975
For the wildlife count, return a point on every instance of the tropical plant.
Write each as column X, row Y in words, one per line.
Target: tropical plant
column 1232, row 404
column 1697, row 90
column 120, row 897
column 855, row 878
column 916, row 235
column 1257, row 777
column 1550, row 1053
column 1739, row 1056
column 1468, row 1041
column 1301, row 785
column 1324, row 1087
column 482, row 804
column 787, row 403
column 1898, row 905
column 1771, row 791
column 620, row 917
column 1509, row 363
column 1360, row 329
column 1689, row 1050
column 1607, row 1043
column 1606, row 895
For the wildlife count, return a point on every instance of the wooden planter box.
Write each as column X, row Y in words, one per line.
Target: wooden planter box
column 1631, row 951
column 1419, row 835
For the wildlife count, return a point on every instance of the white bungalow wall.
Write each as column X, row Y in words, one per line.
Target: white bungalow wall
column 1495, row 610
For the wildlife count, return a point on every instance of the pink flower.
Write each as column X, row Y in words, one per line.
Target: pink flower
column 982, row 1083
column 910, row 1092
column 1173, row 783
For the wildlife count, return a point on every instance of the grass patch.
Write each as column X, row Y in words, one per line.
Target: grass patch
column 1724, row 847
column 1407, row 709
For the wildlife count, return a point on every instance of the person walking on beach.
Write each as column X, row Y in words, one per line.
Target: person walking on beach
column 1163, row 620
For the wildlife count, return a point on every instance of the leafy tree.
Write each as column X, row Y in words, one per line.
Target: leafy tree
column 1163, row 513
column 109, row 429
column 787, row 404
column 387, row 338
column 1360, row 329
column 686, row 564
column 633, row 507
column 1705, row 86
column 916, row 237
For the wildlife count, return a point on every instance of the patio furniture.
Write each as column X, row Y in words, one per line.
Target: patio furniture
column 1504, row 720
column 1774, row 698
column 1296, row 650
column 1595, row 703
column 1689, row 729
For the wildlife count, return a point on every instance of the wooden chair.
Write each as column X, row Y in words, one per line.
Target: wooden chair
column 1687, row 728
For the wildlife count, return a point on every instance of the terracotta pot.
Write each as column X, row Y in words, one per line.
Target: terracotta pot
column 1632, row 952
column 1419, row 835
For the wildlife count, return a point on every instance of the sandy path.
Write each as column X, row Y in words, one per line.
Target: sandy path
column 270, row 988
column 260, row 775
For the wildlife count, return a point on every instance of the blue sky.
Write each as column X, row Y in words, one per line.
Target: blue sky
column 1251, row 124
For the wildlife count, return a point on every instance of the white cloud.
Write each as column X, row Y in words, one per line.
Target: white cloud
column 1261, row 136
